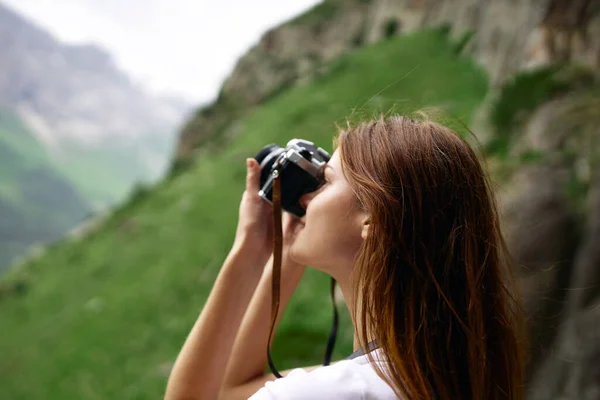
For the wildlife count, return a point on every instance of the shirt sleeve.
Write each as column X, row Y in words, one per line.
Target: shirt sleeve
column 339, row 381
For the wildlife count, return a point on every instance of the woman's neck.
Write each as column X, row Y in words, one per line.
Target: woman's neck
column 351, row 304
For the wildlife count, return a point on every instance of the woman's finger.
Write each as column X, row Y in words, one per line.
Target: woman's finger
column 252, row 176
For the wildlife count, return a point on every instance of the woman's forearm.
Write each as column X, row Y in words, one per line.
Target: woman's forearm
column 249, row 357
column 200, row 366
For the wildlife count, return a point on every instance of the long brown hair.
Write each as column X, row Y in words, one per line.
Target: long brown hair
column 431, row 275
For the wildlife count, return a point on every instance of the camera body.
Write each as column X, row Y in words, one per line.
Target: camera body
column 301, row 165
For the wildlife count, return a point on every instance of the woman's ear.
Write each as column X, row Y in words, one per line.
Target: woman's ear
column 366, row 223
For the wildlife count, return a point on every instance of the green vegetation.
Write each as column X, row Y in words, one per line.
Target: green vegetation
column 524, row 93
column 20, row 140
column 391, row 28
column 37, row 203
column 581, row 152
column 19, row 150
column 463, row 40
column 104, row 316
column 103, row 174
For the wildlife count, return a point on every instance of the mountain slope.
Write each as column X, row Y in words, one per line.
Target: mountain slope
column 506, row 36
column 37, row 203
column 89, row 115
column 103, row 317
column 76, row 134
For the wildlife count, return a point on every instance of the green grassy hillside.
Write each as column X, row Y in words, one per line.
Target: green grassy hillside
column 37, row 203
column 103, row 317
column 106, row 172
column 103, row 174
column 19, row 149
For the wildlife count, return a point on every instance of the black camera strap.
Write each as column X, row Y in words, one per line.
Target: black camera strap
column 276, row 277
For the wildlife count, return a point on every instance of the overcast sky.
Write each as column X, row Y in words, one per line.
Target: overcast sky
column 185, row 47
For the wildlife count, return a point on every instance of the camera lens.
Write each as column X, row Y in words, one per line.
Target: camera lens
column 266, row 157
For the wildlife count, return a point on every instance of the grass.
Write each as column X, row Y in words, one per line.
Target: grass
column 19, row 150
column 102, row 317
column 105, row 173
column 37, row 203
column 14, row 135
column 100, row 182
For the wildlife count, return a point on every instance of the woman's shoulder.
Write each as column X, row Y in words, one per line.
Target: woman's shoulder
column 347, row 379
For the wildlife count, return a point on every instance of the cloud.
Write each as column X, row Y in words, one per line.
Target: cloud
column 183, row 47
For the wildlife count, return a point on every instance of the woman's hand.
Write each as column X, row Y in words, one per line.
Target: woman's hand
column 200, row 368
column 255, row 222
column 246, row 369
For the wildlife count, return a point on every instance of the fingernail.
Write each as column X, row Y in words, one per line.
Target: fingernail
column 248, row 162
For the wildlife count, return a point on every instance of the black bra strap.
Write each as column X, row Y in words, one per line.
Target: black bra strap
column 334, row 327
column 361, row 352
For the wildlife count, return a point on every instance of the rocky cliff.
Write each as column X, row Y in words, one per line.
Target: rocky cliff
column 511, row 35
column 549, row 154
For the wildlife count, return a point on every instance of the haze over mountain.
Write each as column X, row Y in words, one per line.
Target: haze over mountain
column 172, row 46
column 83, row 108
column 78, row 125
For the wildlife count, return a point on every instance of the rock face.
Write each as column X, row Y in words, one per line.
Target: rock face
column 550, row 206
column 511, row 35
column 565, row 367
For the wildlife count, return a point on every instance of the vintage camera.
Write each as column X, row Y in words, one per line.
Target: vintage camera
column 301, row 172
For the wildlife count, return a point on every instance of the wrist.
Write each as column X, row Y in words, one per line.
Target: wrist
column 247, row 246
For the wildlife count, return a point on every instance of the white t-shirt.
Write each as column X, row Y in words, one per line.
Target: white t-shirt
column 344, row 380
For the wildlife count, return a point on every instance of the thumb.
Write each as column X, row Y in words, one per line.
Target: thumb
column 252, row 176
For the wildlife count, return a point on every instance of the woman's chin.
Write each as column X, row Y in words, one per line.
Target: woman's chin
column 297, row 253
column 298, row 228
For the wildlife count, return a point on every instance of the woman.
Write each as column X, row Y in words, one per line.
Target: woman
column 407, row 225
